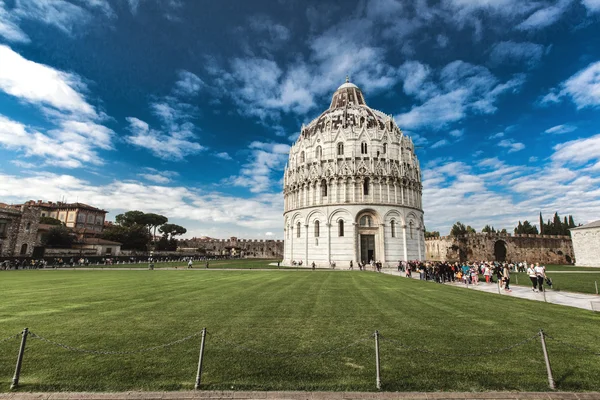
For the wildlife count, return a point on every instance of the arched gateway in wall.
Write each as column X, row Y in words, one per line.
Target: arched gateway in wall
column 352, row 188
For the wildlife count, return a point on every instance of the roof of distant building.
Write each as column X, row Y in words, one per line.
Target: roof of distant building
column 595, row 224
column 61, row 204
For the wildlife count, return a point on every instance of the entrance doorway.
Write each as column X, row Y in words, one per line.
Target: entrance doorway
column 500, row 250
column 367, row 248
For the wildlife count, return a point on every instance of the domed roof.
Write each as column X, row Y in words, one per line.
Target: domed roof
column 348, row 108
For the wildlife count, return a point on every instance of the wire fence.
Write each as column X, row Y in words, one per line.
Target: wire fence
column 395, row 343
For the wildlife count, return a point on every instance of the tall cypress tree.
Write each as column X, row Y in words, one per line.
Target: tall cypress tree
column 541, row 224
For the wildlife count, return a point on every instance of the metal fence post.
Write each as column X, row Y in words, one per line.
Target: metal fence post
column 378, row 380
column 544, row 291
column 547, row 360
column 596, row 284
column 199, row 373
column 499, row 292
column 15, row 380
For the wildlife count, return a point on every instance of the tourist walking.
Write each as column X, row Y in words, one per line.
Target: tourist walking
column 540, row 273
column 190, row 263
column 487, row 272
column 506, row 277
column 532, row 277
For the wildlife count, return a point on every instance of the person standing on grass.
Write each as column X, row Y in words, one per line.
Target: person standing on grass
column 351, row 265
column 190, row 264
column 540, row 273
column 532, row 277
column 206, row 265
column 313, row 265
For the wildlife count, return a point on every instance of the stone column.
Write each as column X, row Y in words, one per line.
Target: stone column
column 404, row 242
column 328, row 226
column 306, row 244
column 382, row 242
column 419, row 242
column 356, row 243
column 292, row 242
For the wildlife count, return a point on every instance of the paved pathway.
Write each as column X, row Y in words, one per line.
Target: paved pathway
column 571, row 299
column 306, row 395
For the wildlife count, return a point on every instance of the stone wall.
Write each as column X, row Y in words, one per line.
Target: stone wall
column 20, row 236
column 586, row 244
column 234, row 247
column 547, row 249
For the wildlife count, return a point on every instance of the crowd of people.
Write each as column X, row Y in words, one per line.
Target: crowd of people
column 469, row 272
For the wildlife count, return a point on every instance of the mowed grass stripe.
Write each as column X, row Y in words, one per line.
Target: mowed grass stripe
column 283, row 314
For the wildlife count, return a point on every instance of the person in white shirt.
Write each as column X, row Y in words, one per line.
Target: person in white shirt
column 532, row 277
column 540, row 273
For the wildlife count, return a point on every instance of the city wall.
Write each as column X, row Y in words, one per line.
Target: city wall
column 233, row 247
column 547, row 249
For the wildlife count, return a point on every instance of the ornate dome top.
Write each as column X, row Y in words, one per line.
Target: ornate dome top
column 348, row 109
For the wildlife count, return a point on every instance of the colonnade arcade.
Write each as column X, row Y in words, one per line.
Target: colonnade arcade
column 384, row 190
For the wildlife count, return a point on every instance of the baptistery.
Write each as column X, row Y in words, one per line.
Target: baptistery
column 352, row 189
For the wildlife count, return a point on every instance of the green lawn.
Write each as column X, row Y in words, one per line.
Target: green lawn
column 234, row 263
column 570, row 268
column 583, row 283
column 276, row 315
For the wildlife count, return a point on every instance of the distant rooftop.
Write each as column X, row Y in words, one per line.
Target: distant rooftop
column 595, row 224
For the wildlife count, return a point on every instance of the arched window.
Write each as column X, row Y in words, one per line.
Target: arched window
column 411, row 229
column 366, row 187
column 384, row 148
column 340, row 149
column 298, row 229
column 363, row 148
column 324, row 188
column 28, row 227
column 317, row 229
column 318, row 153
column 24, row 249
column 302, row 157
column 393, row 226
column 341, row 227
column 366, row 220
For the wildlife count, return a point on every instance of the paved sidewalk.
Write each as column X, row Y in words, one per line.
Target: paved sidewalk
column 306, row 395
column 571, row 299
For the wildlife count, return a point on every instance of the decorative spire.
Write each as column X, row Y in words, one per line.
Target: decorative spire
column 347, row 79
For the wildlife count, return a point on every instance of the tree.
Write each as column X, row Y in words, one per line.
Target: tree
column 526, row 228
column 154, row 221
column 458, row 229
column 133, row 237
column 130, row 218
column 434, row 234
column 470, row 229
column 503, row 231
column 50, row 221
column 488, row 229
column 58, row 236
column 171, row 230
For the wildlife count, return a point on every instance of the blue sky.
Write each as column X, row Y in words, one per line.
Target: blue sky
column 188, row 108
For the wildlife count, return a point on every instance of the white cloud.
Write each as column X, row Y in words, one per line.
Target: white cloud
column 42, row 85
column 496, row 135
column 591, row 5
column 192, row 208
column 266, row 159
column 171, row 146
column 223, row 155
column 546, row 16
column 188, row 84
column 70, row 145
column 456, row 133
column 583, row 88
column 560, row 129
column 533, row 159
column 9, row 27
column 460, row 89
column 154, row 175
column 579, row 151
column 510, row 52
column 440, row 143
column 511, row 145
column 442, row 40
